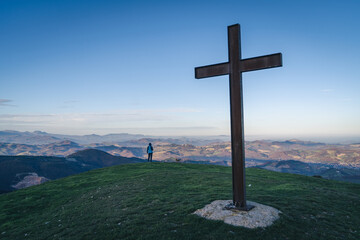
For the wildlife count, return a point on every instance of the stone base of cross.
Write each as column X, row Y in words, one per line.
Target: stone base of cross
column 235, row 67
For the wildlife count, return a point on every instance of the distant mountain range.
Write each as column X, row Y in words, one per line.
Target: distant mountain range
column 24, row 171
column 39, row 137
column 347, row 155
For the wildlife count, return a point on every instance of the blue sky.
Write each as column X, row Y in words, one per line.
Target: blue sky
column 83, row 67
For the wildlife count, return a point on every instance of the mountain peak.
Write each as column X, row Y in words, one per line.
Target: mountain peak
column 65, row 143
column 40, row 132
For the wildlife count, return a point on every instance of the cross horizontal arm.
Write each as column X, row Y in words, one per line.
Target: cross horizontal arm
column 212, row 70
column 262, row 62
column 246, row 65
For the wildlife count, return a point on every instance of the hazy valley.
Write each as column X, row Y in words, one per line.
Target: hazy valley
column 346, row 155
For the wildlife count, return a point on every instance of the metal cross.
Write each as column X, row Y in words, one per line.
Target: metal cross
column 235, row 67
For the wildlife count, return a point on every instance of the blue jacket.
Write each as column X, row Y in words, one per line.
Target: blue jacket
column 150, row 149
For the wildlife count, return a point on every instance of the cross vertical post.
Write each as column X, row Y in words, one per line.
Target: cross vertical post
column 235, row 67
column 236, row 118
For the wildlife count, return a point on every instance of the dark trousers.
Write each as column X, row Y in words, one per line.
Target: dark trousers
column 150, row 157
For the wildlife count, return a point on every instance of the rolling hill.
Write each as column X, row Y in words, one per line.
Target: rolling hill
column 23, row 171
column 350, row 175
column 99, row 158
column 292, row 166
column 309, row 169
column 156, row 201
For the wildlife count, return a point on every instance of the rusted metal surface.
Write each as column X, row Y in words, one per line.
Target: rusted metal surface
column 234, row 68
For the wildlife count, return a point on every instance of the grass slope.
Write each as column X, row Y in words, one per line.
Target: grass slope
column 155, row 201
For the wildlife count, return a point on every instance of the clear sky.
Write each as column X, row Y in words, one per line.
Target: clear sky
column 84, row 67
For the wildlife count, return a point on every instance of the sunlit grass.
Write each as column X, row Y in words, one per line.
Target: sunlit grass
column 156, row 201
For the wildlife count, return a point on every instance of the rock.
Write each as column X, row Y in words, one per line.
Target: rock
column 29, row 180
column 260, row 216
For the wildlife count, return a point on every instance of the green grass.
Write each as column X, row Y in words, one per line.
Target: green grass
column 156, row 201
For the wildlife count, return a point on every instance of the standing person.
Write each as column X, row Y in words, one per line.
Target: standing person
column 150, row 151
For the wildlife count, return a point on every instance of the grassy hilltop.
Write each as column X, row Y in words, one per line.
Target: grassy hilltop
column 155, row 201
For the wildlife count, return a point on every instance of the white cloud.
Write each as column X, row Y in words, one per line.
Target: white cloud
column 6, row 102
